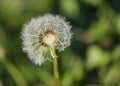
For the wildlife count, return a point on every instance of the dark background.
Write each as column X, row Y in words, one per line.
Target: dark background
column 93, row 59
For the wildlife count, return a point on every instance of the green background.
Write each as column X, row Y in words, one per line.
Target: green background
column 93, row 59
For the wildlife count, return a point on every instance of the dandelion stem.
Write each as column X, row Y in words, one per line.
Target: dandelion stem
column 56, row 72
column 55, row 66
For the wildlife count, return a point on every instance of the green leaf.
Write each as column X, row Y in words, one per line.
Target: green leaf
column 69, row 7
column 116, row 53
column 113, row 76
column 94, row 2
column 96, row 57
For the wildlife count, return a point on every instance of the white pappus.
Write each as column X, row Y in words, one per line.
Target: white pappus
column 44, row 32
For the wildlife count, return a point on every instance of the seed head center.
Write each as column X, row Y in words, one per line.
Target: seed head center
column 47, row 38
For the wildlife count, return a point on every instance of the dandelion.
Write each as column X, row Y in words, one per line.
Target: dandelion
column 42, row 35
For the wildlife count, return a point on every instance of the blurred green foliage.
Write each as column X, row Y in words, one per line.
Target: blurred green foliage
column 93, row 58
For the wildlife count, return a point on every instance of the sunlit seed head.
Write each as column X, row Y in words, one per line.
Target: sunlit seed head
column 44, row 32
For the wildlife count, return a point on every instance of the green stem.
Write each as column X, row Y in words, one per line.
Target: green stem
column 55, row 66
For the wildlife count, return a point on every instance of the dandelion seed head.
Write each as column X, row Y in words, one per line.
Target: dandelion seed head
column 44, row 32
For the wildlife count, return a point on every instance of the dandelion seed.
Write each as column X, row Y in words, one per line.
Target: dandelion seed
column 42, row 33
